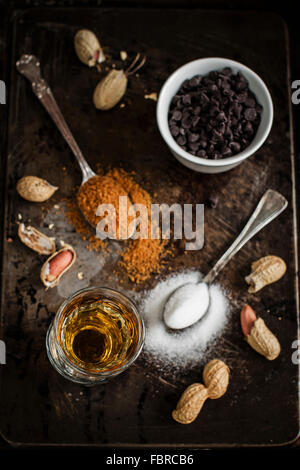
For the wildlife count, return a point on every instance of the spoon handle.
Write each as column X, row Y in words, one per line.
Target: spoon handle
column 29, row 66
column 270, row 206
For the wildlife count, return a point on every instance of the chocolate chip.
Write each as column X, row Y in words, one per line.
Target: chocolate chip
column 186, row 99
column 181, row 140
column 226, row 152
column 192, row 137
column 217, row 135
column 194, row 82
column 250, row 114
column 250, row 102
column 235, row 146
column 241, row 85
column 227, row 71
column 248, row 128
column 228, row 133
column 221, row 116
column 197, row 110
column 201, row 154
column 204, row 98
column 244, row 143
column 225, row 85
column 216, row 155
column 186, row 122
column 195, row 121
column 237, row 109
column 241, row 97
column 213, row 110
column 213, row 88
column 186, row 113
column 186, row 85
column 213, row 75
column 240, row 77
column 222, row 127
column 203, row 134
column 210, row 148
column 174, row 131
column 177, row 115
column 194, row 146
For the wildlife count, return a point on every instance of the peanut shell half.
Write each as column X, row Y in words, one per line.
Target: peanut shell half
column 265, row 271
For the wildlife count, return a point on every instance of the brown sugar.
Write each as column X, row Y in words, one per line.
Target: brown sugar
column 76, row 219
column 102, row 190
column 142, row 256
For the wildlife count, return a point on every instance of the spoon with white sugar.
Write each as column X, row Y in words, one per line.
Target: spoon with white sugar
column 194, row 298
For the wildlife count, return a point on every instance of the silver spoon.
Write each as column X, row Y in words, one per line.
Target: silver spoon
column 29, row 66
column 270, row 206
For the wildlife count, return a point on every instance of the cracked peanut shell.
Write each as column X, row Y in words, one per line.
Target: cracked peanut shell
column 265, row 271
column 88, row 48
column 263, row 341
column 35, row 240
column 57, row 265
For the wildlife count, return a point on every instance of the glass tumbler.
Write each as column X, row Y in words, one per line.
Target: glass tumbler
column 96, row 334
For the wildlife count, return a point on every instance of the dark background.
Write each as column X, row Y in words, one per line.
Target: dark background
column 287, row 10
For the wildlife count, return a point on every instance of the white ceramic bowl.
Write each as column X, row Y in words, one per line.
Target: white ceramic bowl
column 203, row 67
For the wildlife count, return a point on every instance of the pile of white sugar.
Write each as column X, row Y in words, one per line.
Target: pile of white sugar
column 181, row 347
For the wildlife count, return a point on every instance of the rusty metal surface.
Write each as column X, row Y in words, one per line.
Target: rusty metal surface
column 39, row 406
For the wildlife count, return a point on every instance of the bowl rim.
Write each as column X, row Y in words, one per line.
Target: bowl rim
column 170, row 141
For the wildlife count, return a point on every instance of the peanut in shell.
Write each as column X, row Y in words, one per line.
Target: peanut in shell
column 88, row 48
column 35, row 189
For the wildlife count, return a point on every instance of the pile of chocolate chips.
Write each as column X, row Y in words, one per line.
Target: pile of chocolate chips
column 214, row 116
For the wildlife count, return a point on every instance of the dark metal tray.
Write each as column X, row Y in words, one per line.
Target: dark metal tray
column 37, row 405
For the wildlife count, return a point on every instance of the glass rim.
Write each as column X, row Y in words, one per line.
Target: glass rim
column 104, row 373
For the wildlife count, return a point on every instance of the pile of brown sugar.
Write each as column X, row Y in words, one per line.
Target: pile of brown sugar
column 81, row 226
column 142, row 256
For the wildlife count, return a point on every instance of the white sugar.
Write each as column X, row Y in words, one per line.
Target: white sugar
column 186, row 305
column 187, row 346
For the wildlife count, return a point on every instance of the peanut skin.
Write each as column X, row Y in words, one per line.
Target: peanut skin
column 56, row 265
column 60, row 262
column 248, row 318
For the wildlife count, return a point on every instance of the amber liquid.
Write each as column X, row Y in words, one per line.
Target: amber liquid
column 99, row 336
